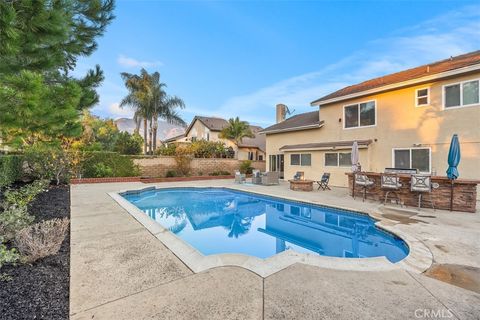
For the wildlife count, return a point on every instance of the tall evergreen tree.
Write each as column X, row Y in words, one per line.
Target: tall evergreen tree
column 40, row 42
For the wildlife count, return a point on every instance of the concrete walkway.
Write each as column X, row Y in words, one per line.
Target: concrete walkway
column 121, row 271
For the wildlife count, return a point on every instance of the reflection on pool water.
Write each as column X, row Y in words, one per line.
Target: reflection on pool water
column 218, row 220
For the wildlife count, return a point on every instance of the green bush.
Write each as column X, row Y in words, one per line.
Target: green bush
column 246, row 167
column 199, row 149
column 168, row 150
column 14, row 216
column 7, row 255
column 210, row 149
column 10, row 169
column 20, row 198
column 108, row 164
column 128, row 143
column 101, row 170
column 171, row 174
column 12, row 220
column 50, row 162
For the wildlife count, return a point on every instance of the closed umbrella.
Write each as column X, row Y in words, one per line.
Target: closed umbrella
column 453, row 161
column 354, row 156
column 355, row 168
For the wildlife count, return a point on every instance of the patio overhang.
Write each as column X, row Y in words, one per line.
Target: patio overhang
column 336, row 145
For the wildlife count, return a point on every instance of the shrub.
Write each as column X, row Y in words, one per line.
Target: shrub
column 198, row 149
column 12, row 220
column 7, row 255
column 183, row 158
column 168, row 150
column 101, row 170
column 170, row 174
column 210, row 149
column 48, row 162
column 246, row 166
column 128, row 143
column 42, row 239
column 108, row 164
column 20, row 198
column 10, row 169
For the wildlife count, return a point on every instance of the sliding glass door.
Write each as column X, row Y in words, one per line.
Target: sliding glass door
column 276, row 163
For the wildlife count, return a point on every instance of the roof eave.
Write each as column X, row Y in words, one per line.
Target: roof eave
column 324, row 148
column 402, row 84
column 313, row 126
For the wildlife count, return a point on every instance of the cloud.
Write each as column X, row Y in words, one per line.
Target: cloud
column 134, row 63
column 116, row 112
column 443, row 36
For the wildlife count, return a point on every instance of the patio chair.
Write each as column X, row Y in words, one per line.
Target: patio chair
column 422, row 184
column 256, row 177
column 390, row 182
column 239, row 177
column 364, row 182
column 270, row 178
column 323, row 183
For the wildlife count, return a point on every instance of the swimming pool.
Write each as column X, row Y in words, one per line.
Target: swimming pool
column 221, row 220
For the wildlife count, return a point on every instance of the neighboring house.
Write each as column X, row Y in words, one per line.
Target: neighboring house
column 209, row 128
column 403, row 120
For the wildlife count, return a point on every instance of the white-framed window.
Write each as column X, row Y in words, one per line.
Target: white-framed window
column 461, row 94
column 412, row 158
column 422, row 97
column 251, row 155
column 363, row 114
column 338, row 159
column 301, row 159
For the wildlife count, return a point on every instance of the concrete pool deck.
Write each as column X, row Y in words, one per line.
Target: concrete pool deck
column 119, row 270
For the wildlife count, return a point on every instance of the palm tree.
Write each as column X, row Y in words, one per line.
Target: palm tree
column 150, row 101
column 236, row 130
column 139, row 92
column 164, row 107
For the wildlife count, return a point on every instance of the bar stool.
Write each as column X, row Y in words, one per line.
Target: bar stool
column 422, row 184
column 391, row 183
column 364, row 182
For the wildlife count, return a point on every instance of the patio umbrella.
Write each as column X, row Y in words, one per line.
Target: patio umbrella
column 354, row 158
column 453, row 161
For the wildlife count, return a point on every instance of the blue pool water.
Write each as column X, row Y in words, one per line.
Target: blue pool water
column 217, row 220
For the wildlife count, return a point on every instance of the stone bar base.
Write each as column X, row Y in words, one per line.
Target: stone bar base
column 464, row 192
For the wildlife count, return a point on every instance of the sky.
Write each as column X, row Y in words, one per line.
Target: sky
column 241, row 58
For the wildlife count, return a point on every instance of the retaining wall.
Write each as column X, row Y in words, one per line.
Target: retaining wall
column 158, row 166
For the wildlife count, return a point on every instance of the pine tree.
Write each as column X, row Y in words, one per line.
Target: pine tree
column 40, row 42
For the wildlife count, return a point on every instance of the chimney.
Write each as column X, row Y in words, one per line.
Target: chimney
column 281, row 112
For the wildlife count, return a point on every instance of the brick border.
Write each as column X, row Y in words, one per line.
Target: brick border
column 146, row 180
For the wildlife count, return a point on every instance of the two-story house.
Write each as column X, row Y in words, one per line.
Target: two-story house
column 402, row 120
column 209, row 128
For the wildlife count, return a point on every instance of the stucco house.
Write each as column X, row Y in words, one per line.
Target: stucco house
column 209, row 128
column 403, row 120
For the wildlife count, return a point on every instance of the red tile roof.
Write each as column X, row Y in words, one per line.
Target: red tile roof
column 452, row 63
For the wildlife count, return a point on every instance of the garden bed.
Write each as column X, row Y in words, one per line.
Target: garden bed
column 40, row 290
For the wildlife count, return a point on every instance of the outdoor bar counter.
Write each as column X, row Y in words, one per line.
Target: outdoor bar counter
column 464, row 192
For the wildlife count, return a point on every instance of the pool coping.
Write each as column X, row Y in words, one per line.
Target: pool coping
column 418, row 259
